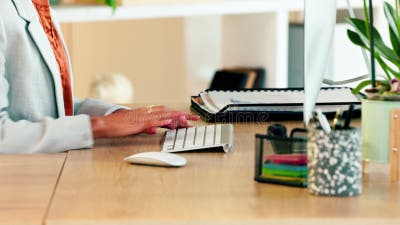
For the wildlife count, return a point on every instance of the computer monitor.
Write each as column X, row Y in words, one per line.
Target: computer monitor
column 329, row 56
column 319, row 26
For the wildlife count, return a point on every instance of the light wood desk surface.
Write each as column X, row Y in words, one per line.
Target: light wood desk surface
column 27, row 184
column 97, row 187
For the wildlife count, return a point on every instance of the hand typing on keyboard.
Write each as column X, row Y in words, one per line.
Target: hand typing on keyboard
column 199, row 138
column 126, row 122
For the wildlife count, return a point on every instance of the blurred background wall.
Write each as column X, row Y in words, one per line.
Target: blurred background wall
column 149, row 52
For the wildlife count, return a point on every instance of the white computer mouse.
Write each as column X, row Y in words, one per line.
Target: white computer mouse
column 156, row 159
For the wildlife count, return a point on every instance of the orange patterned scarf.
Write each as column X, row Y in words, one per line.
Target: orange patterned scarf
column 43, row 9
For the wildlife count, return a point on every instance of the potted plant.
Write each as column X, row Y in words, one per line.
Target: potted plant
column 383, row 94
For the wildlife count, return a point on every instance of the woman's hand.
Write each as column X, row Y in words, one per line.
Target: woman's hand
column 128, row 122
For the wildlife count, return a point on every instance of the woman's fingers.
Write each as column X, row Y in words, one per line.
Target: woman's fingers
column 162, row 112
column 165, row 115
column 176, row 115
column 159, row 123
column 178, row 122
column 151, row 130
column 192, row 117
column 150, row 126
column 183, row 121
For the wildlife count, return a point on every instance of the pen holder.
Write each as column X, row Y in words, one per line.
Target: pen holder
column 334, row 162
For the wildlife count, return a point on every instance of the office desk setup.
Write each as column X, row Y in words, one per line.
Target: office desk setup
column 97, row 187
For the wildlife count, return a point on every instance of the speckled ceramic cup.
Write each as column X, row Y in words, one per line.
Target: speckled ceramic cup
column 334, row 162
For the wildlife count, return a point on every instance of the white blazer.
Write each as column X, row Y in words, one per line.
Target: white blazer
column 32, row 117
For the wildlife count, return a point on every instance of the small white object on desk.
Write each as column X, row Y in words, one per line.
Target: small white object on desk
column 157, row 159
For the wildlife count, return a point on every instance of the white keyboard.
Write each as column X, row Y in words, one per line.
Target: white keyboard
column 199, row 138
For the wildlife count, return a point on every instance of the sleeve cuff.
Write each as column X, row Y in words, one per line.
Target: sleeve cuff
column 76, row 134
column 93, row 107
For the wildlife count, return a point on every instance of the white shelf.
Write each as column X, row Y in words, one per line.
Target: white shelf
column 181, row 9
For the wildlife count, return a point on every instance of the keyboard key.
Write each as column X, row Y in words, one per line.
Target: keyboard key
column 180, row 138
column 209, row 137
column 227, row 136
column 169, row 140
column 189, row 140
column 199, row 140
column 218, row 130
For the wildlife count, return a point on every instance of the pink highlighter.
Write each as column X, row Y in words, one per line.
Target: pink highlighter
column 292, row 159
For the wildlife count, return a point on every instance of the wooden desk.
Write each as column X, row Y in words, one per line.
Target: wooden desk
column 27, row 184
column 97, row 187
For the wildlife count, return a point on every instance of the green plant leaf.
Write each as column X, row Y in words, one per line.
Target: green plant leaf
column 397, row 11
column 355, row 38
column 391, row 18
column 395, row 42
column 365, row 83
column 397, row 15
column 384, row 66
column 387, row 68
column 381, row 48
column 366, row 16
column 111, row 3
column 394, row 26
column 361, row 86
